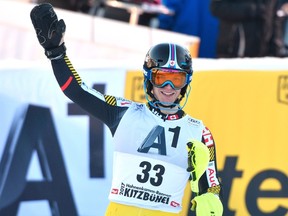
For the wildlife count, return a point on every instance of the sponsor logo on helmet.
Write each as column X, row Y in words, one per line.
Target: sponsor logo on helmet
column 172, row 63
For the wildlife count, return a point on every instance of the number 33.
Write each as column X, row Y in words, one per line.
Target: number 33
column 145, row 176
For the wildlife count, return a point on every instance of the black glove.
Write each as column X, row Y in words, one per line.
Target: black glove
column 49, row 30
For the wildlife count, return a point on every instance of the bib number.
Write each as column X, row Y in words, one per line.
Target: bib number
column 147, row 173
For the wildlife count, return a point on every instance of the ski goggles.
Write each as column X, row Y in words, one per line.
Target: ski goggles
column 161, row 77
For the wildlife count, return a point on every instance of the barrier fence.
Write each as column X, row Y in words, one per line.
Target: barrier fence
column 48, row 144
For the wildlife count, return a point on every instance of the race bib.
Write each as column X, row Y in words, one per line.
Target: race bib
column 147, row 183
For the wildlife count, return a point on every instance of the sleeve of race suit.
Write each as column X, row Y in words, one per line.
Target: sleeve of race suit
column 106, row 108
column 209, row 181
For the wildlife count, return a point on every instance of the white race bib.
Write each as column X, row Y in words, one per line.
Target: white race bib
column 152, row 184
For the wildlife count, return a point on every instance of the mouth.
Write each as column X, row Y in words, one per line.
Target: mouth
column 168, row 94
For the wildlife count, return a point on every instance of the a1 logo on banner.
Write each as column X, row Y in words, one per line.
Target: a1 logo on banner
column 283, row 89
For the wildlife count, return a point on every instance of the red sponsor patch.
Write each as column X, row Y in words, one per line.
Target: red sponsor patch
column 114, row 191
column 208, row 139
column 174, row 204
column 211, row 174
column 125, row 103
column 173, row 117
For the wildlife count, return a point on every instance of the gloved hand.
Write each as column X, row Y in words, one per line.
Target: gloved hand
column 49, row 30
column 207, row 204
column 198, row 159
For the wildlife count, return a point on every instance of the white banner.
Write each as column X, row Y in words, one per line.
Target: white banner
column 38, row 87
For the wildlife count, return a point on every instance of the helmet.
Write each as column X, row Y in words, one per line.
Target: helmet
column 167, row 56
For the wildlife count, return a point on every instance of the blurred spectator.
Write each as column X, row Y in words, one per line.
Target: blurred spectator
column 74, row 5
column 249, row 28
column 279, row 43
column 123, row 13
column 142, row 1
column 192, row 17
column 286, row 32
column 145, row 18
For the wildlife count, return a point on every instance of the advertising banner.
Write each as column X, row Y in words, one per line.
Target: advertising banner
column 56, row 158
column 247, row 112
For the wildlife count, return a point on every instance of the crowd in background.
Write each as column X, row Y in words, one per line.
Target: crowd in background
column 227, row 28
column 247, row 28
column 251, row 28
column 74, row 5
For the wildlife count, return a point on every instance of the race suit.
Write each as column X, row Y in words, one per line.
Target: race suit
column 150, row 155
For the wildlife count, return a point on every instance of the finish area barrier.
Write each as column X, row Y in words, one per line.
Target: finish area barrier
column 48, row 142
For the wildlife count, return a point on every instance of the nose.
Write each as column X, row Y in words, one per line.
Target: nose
column 168, row 85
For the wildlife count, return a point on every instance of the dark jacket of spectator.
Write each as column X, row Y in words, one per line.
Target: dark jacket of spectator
column 192, row 17
column 247, row 28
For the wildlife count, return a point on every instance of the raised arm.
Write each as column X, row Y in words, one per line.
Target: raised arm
column 50, row 33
